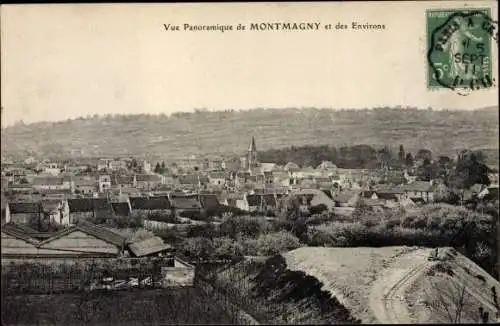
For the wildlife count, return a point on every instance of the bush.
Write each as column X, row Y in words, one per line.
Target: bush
column 318, row 209
column 198, row 247
column 227, row 248
column 275, row 243
column 247, row 226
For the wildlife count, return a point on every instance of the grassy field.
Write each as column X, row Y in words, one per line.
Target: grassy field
column 167, row 137
column 141, row 307
column 347, row 273
column 353, row 274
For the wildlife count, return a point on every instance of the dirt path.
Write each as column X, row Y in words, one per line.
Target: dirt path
column 387, row 300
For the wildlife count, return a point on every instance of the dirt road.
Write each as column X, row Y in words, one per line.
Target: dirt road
column 387, row 300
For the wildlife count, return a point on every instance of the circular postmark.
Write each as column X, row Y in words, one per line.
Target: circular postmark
column 460, row 51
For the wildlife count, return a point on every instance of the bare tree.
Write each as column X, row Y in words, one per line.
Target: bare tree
column 448, row 299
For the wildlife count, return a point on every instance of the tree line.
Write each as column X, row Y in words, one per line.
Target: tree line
column 462, row 171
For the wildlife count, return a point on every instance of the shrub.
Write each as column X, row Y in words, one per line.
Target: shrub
column 227, row 248
column 318, row 209
column 275, row 243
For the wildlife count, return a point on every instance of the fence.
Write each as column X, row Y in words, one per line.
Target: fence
column 53, row 276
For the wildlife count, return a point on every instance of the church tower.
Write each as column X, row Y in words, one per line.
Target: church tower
column 252, row 155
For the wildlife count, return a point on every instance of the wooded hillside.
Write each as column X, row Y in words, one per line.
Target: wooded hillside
column 226, row 132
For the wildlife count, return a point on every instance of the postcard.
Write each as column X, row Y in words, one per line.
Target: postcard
column 250, row 163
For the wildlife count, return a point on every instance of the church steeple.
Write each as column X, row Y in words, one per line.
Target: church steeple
column 252, row 147
column 252, row 155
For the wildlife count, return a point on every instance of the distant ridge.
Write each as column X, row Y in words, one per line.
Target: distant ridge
column 225, row 132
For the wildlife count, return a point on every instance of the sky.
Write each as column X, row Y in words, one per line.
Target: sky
column 71, row 60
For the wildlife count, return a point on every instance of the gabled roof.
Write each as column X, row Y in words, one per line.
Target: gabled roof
column 85, row 181
column 326, row 165
column 192, row 179
column 89, row 205
column 47, row 181
column 217, row 175
column 328, row 192
column 91, row 229
column 138, row 202
column 122, row 179
column 291, row 166
column 24, row 207
column 388, row 189
column 419, row 186
column 148, row 178
column 185, row 202
column 150, row 203
column 149, row 246
column 209, row 201
column 18, row 232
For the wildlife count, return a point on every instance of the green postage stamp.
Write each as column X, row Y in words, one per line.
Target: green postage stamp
column 459, row 48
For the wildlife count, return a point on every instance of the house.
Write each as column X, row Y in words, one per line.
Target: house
column 75, row 169
column 291, row 167
column 212, row 164
column 327, row 165
column 55, row 210
column 103, row 164
column 148, row 181
column 79, row 241
column 186, row 203
column 261, row 202
column 254, row 202
column 123, row 181
column 235, row 200
column 89, row 208
column 85, row 185
column 395, row 177
column 117, row 165
column 146, row 166
column 104, row 183
column 232, row 164
column 306, row 173
column 389, row 195
column 419, row 189
column 150, row 247
column 267, row 167
column 51, row 169
column 151, row 204
column 347, row 198
column 217, row 179
column 24, row 212
column 47, row 183
column 314, row 197
column 20, row 188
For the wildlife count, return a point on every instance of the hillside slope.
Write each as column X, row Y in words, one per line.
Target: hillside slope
column 223, row 132
column 399, row 284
